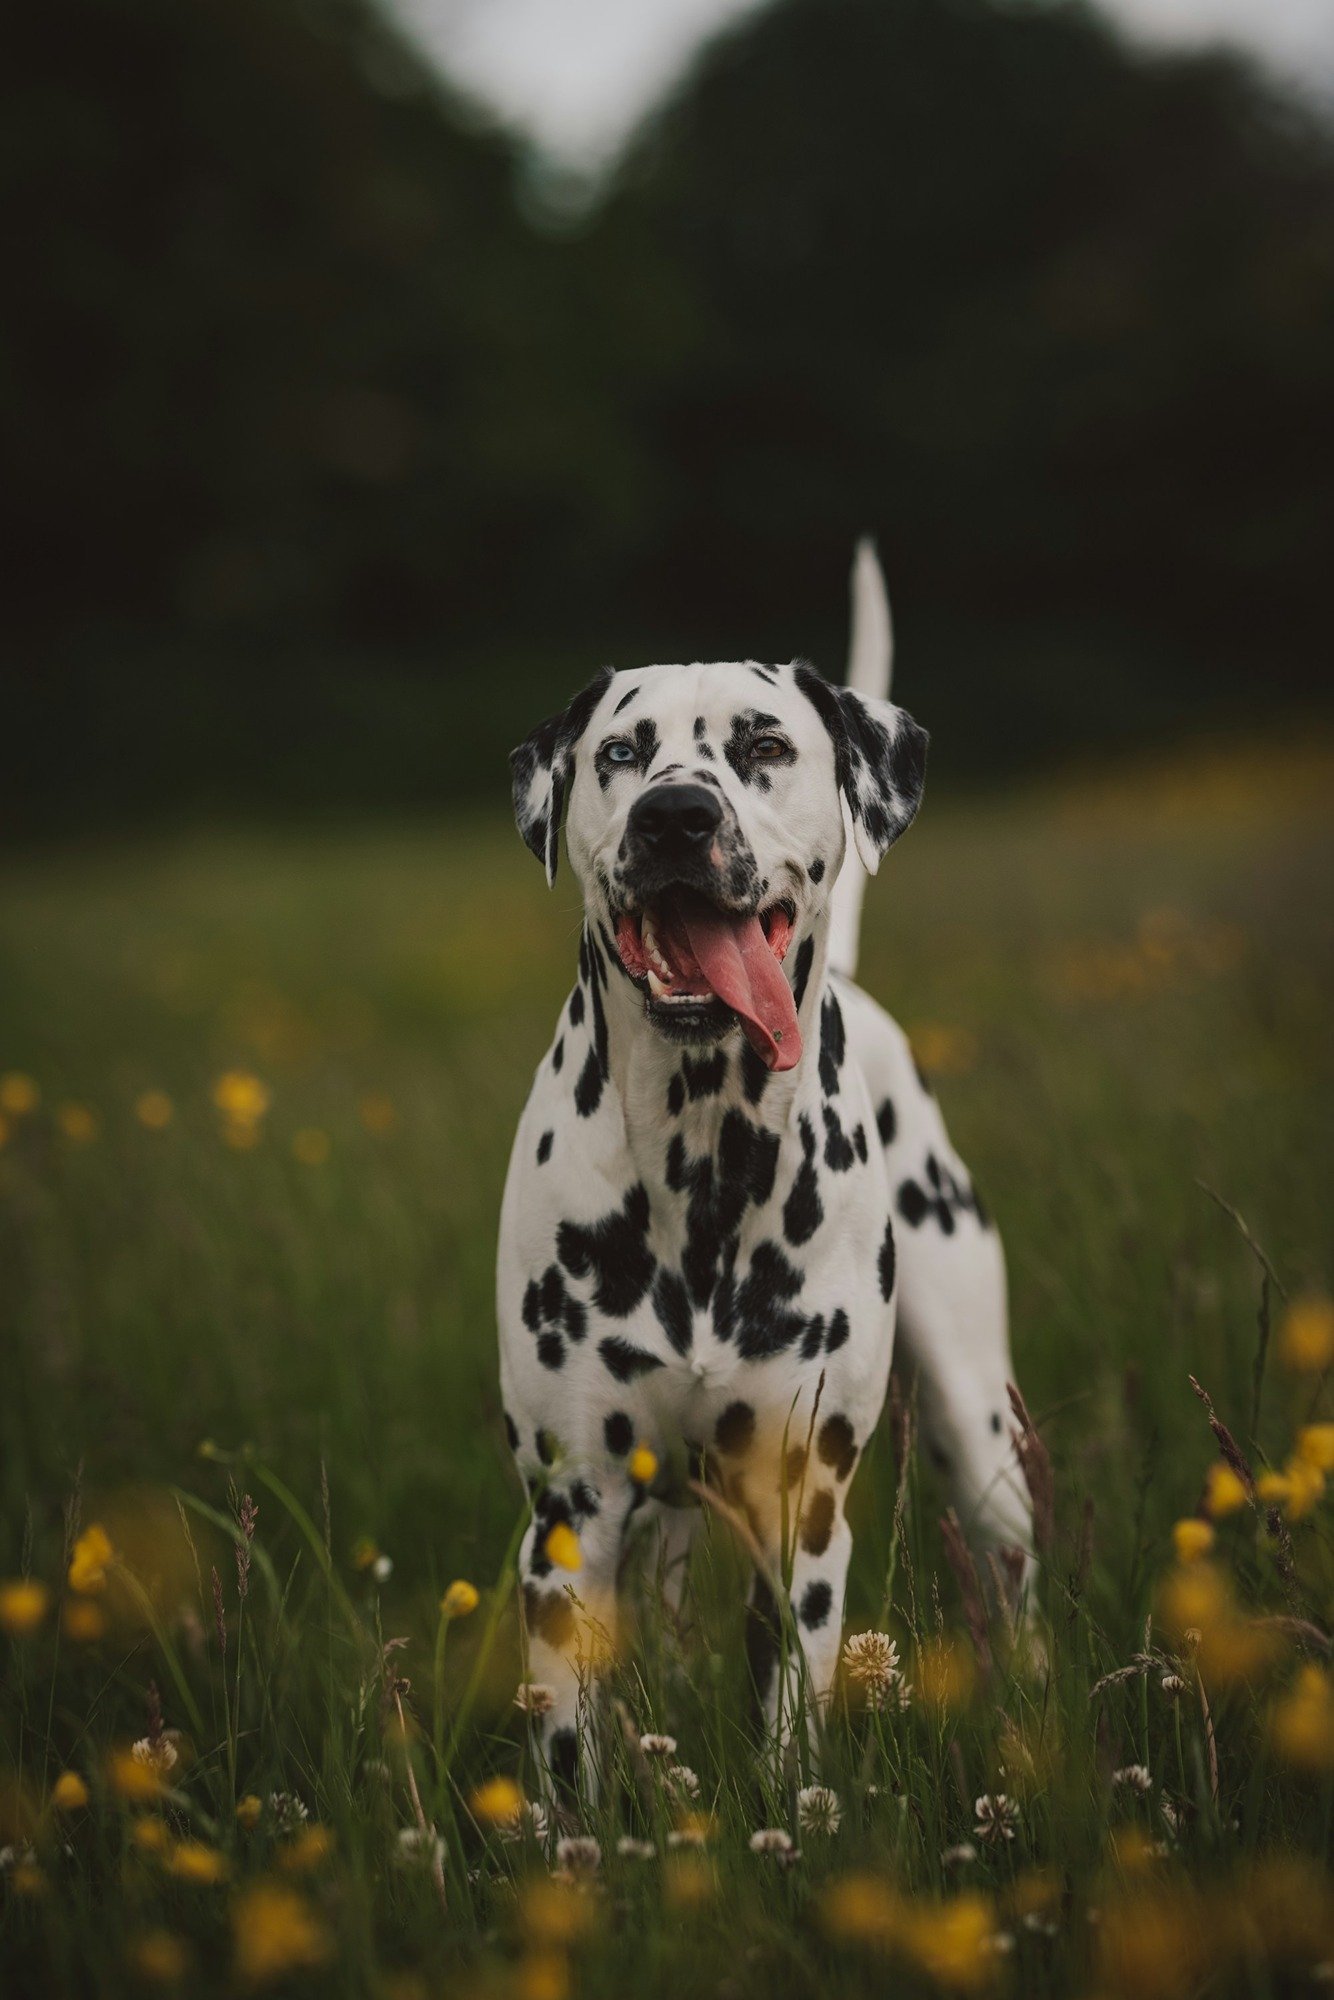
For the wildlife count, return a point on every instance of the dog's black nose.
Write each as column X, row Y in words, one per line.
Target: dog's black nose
column 675, row 818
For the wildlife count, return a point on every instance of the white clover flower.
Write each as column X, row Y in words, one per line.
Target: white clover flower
column 694, row 1835
column 418, row 1845
column 382, row 1568
column 288, row 1810
column 1173, row 1685
column 529, row 1822
column 657, row 1746
column 770, row 1840
column 579, row 1854
column 871, row 1662
column 996, row 1817
column 631, row 1849
column 159, row 1756
column 683, row 1781
column 1134, row 1778
column 818, row 1809
column 535, row 1697
column 961, row 1856
column 1001, row 1942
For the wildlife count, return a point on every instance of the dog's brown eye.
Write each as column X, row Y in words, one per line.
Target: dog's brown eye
column 767, row 748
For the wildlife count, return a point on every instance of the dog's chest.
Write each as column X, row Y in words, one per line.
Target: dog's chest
column 686, row 1240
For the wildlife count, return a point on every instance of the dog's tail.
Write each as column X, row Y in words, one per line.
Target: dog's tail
column 870, row 662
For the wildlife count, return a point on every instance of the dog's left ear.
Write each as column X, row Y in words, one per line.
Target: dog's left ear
column 879, row 760
column 541, row 772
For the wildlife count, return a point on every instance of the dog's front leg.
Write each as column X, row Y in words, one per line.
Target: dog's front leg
column 793, row 1661
column 568, row 1563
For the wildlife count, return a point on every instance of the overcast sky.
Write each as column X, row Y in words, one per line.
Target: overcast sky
column 579, row 73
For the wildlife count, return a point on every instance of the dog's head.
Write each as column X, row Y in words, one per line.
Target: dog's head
column 706, row 826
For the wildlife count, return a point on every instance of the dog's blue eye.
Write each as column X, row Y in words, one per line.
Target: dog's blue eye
column 768, row 747
column 619, row 752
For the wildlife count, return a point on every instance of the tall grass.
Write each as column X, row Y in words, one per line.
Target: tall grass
column 250, row 1435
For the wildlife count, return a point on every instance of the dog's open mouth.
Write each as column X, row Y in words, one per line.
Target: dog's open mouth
column 690, row 954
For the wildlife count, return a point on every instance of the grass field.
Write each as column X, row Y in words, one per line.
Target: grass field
column 256, row 1111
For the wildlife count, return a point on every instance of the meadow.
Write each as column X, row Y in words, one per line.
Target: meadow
column 258, row 1728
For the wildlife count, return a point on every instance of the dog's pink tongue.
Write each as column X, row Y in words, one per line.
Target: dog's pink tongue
column 734, row 957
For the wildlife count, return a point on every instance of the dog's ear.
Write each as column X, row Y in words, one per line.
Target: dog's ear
column 879, row 760
column 541, row 772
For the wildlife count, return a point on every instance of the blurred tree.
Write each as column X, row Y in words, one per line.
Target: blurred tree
column 328, row 460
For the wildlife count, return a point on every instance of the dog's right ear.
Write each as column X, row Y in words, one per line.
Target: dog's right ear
column 541, row 772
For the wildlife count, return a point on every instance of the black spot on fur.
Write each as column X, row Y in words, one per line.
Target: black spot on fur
column 805, row 959
column 558, row 1053
column 625, row 700
column 839, row 1153
column 624, row 1360
column 803, row 1211
column 564, row 1760
column 551, row 1350
column 550, row 1614
column 672, row 1306
column 859, row 1142
column 796, row 1463
column 584, row 1500
column 546, row 1447
column 837, row 1445
column 756, row 1312
column 576, row 1008
column 746, row 726
column 754, row 1074
column 544, row 1148
column 941, row 1199
column 734, row 1432
column 588, row 1090
column 765, row 674
column 838, row 1333
column 615, row 1251
column 888, row 1260
column 833, row 1043
column 995, row 1421
column 817, row 1598
column 705, row 1078
column 812, row 1338
column 818, row 1523
column 676, row 1095
column 815, row 869
column 511, row 1431
column 913, row 1204
column 618, row 1432
column 886, row 1123
column 718, row 1194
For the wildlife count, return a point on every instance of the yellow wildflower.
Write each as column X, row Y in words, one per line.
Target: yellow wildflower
column 241, row 1097
column 1306, row 1335
column 461, row 1598
column 160, row 1958
column 687, row 1881
column 364, row 1552
column 307, row 1850
column 1315, row 1446
column 24, row 1603
column 377, row 1112
column 192, row 1861
column 69, row 1793
column 1155, row 1947
column 562, row 1546
column 861, row 1909
column 1302, row 1725
column 1192, row 1538
column 154, row 1110
column 89, row 1559
column 311, row 1146
column 19, row 1095
column 26, row 1878
column 248, row 1811
column 276, row 1931
column 150, row 1836
column 78, row 1123
column 940, row 1050
column 643, row 1465
column 499, row 1802
column 551, row 1913
column 1296, row 1489
column 82, row 1620
column 951, row 1942
column 543, row 1975
column 1224, row 1492
column 136, row 1781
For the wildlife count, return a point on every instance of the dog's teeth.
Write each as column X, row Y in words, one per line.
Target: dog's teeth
column 652, row 951
column 656, row 986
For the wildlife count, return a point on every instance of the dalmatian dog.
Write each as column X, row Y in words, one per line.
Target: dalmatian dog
column 731, row 1184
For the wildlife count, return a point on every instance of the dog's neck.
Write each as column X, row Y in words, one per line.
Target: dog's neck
column 665, row 1088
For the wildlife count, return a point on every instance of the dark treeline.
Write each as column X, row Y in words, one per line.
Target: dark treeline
column 329, row 459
